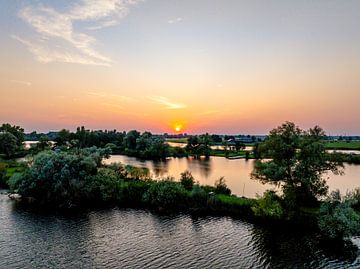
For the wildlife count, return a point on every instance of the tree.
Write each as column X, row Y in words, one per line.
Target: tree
column 8, row 144
column 42, row 144
column 298, row 161
column 16, row 131
column 63, row 179
column 239, row 145
column 166, row 195
column 216, row 138
column 199, row 145
column 130, row 141
column 63, row 137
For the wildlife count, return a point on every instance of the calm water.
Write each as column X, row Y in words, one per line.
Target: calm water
column 117, row 238
column 236, row 173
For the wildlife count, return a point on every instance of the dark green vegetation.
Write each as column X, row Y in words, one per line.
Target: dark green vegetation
column 337, row 217
column 198, row 146
column 296, row 161
column 346, row 145
column 74, row 176
column 133, row 143
column 11, row 140
column 8, row 169
column 79, row 179
column 345, row 158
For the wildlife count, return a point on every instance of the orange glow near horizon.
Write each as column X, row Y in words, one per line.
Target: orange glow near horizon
column 180, row 76
column 178, row 128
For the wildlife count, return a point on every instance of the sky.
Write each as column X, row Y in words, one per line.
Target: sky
column 218, row 66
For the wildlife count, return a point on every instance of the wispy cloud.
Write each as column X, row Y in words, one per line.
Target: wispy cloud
column 166, row 102
column 25, row 83
column 58, row 41
column 176, row 20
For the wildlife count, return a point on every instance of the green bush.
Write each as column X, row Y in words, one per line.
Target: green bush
column 131, row 192
column 198, row 196
column 166, row 195
column 105, row 185
column 337, row 220
column 141, row 173
column 3, row 168
column 187, row 180
column 354, row 198
column 268, row 206
column 63, row 179
column 221, row 187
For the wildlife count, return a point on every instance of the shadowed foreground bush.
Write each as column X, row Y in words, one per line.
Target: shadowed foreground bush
column 337, row 219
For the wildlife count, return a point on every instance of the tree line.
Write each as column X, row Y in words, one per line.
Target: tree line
column 292, row 159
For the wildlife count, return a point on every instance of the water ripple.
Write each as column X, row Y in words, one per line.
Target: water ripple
column 117, row 238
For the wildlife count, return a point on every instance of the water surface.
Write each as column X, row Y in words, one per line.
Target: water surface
column 236, row 173
column 117, row 238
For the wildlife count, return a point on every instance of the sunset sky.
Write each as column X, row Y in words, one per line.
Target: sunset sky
column 224, row 66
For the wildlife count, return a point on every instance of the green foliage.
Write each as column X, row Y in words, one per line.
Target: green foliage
column 3, row 167
column 140, row 173
column 177, row 152
column 63, row 138
column 131, row 192
column 346, row 145
column 354, row 198
column 344, row 157
column 297, row 162
column 105, row 184
column 187, row 180
column 41, row 145
column 337, row 220
column 166, row 195
column 16, row 131
column 198, row 196
column 221, row 187
column 8, row 169
column 232, row 205
column 14, row 181
column 234, row 201
column 268, row 206
column 62, row 178
column 8, row 144
column 198, row 146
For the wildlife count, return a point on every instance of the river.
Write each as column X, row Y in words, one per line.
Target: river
column 118, row 238
column 236, row 172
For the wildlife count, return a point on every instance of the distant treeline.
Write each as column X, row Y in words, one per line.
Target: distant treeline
column 143, row 145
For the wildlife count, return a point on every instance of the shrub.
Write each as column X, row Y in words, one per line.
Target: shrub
column 337, row 220
column 3, row 167
column 187, row 180
column 221, row 187
column 166, row 195
column 198, row 196
column 131, row 192
column 64, row 179
column 106, row 184
column 268, row 206
column 141, row 173
column 354, row 198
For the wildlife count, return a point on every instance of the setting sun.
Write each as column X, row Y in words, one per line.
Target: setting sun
column 178, row 127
